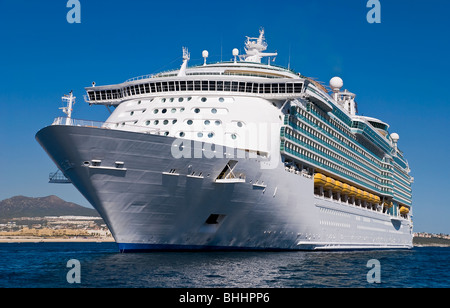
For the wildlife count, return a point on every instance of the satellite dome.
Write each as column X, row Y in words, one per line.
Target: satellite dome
column 205, row 54
column 235, row 52
column 395, row 137
column 336, row 84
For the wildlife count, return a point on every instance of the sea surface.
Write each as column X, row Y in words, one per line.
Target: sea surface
column 101, row 265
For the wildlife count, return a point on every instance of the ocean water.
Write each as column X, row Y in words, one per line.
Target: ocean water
column 45, row 265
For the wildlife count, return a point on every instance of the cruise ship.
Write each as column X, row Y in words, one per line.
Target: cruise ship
column 236, row 155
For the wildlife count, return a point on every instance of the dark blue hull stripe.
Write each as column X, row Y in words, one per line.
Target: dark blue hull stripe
column 124, row 247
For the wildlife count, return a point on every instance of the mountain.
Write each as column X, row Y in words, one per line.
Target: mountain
column 20, row 206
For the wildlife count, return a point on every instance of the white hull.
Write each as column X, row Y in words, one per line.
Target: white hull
column 147, row 207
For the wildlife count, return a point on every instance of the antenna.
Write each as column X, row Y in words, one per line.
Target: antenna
column 289, row 61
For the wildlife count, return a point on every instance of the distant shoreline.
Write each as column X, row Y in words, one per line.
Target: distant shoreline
column 55, row 240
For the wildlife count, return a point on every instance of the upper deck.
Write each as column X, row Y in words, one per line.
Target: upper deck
column 233, row 78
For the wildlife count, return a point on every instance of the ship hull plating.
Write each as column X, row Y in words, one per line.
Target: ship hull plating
column 151, row 200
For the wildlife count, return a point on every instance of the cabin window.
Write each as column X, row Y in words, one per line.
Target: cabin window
column 220, row 86
column 249, row 87
column 227, row 86
column 183, row 85
column 241, row 86
column 212, row 86
column 205, row 85
column 171, row 86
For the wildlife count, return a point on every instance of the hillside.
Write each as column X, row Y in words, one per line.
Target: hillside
column 20, row 206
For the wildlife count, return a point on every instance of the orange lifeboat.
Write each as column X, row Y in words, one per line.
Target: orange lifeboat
column 338, row 186
column 330, row 183
column 404, row 210
column 353, row 191
column 320, row 179
column 360, row 194
column 366, row 196
column 377, row 199
column 346, row 189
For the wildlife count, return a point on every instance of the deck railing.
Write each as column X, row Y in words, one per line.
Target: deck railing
column 76, row 122
column 106, row 125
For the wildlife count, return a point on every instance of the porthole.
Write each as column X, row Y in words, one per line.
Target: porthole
column 189, row 122
column 156, row 122
column 166, row 122
column 203, row 99
column 181, row 99
column 139, row 102
column 173, row 110
column 221, row 99
column 233, row 136
column 207, row 122
column 166, row 133
column 210, row 135
column 182, row 109
column 155, row 111
column 174, row 121
column 196, row 110
column 171, row 99
column 217, row 122
column 239, row 124
column 163, row 100
column 131, row 113
column 181, row 134
column 214, row 110
column 200, row 134
column 189, row 98
column 164, row 110
column 147, row 122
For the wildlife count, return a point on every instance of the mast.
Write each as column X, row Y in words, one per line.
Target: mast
column 254, row 47
column 70, row 100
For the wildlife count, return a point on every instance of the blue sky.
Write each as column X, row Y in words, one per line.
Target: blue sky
column 398, row 69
